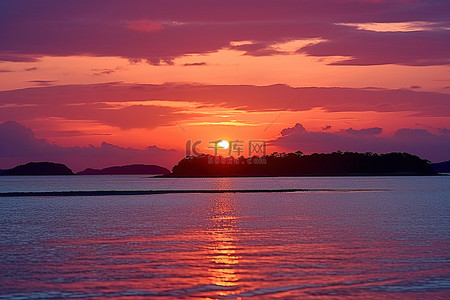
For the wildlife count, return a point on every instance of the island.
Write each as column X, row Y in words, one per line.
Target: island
column 38, row 168
column 442, row 167
column 137, row 169
column 297, row 164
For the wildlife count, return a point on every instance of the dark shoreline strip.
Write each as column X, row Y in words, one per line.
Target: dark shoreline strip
column 157, row 192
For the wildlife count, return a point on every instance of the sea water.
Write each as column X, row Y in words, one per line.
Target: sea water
column 350, row 238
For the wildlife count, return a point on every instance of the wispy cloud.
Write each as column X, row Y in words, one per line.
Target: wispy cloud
column 100, row 72
column 144, row 26
column 196, row 64
column 43, row 82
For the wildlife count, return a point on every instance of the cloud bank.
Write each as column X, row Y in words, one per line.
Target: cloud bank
column 19, row 146
column 434, row 147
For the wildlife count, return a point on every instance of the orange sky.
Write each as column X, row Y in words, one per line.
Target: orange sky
column 224, row 67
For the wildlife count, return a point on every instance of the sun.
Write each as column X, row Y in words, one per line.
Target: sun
column 223, row 144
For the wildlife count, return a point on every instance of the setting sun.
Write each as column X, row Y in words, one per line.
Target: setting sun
column 223, row 144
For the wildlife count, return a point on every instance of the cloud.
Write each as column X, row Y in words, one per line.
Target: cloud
column 19, row 145
column 195, row 64
column 417, row 48
column 159, row 31
column 100, row 72
column 31, row 69
column 69, row 133
column 251, row 98
column 444, row 131
column 297, row 128
column 144, row 26
column 365, row 131
column 17, row 57
column 128, row 117
column 410, row 134
column 415, row 141
column 258, row 49
column 138, row 116
column 43, row 82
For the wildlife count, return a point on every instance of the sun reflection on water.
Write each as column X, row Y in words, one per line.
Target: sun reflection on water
column 223, row 231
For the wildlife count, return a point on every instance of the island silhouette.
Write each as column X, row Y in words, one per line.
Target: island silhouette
column 442, row 167
column 137, row 169
column 38, row 168
column 297, row 164
column 277, row 164
column 51, row 168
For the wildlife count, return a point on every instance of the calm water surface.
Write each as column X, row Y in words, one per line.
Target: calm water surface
column 391, row 244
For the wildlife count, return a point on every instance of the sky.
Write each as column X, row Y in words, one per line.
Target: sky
column 101, row 83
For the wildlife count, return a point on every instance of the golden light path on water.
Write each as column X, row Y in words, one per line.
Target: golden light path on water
column 223, row 233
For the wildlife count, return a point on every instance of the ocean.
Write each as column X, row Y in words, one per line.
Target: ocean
column 341, row 238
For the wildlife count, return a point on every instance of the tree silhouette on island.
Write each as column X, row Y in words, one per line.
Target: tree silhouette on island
column 277, row 164
column 296, row 164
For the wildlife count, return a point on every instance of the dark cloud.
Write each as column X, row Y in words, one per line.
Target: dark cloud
column 444, row 131
column 258, row 49
column 415, row 141
column 43, row 82
column 19, row 145
column 158, row 31
column 417, row 48
column 99, row 72
column 365, row 131
column 411, row 134
column 297, row 128
column 19, row 57
column 5, row 71
column 31, row 69
column 195, row 64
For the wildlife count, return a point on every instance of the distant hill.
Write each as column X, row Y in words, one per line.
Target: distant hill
column 297, row 164
column 127, row 170
column 442, row 167
column 39, row 168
